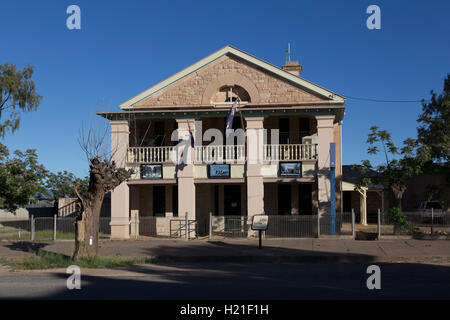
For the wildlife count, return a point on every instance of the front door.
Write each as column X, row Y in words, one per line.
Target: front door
column 232, row 207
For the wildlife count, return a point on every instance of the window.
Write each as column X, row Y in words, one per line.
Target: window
column 283, row 125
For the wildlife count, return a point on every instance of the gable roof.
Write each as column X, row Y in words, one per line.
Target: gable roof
column 229, row 50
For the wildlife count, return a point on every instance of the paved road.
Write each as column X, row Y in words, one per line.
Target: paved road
column 234, row 281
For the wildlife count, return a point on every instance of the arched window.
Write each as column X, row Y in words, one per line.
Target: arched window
column 229, row 94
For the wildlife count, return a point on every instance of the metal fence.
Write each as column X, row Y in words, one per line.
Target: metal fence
column 163, row 227
column 46, row 228
column 341, row 224
column 283, row 226
column 417, row 224
column 14, row 229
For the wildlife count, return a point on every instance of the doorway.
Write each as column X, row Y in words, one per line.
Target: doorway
column 232, row 207
column 305, row 199
column 159, row 201
column 284, row 199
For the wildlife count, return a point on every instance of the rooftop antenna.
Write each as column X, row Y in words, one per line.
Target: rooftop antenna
column 288, row 52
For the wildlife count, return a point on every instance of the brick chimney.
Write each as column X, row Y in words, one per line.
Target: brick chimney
column 293, row 67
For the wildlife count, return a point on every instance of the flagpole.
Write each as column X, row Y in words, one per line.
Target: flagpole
column 240, row 112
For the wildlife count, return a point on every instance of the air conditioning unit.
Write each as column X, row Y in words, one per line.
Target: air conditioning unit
column 310, row 140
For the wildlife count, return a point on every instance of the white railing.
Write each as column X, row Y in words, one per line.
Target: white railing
column 221, row 153
column 289, row 152
column 151, row 154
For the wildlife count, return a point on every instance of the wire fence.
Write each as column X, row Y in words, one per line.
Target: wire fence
column 284, row 226
column 163, row 227
column 46, row 228
column 417, row 224
column 341, row 224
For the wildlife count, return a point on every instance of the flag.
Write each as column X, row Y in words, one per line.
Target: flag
column 191, row 136
column 229, row 126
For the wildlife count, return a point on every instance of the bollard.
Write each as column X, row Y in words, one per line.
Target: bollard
column 353, row 224
column 54, row 227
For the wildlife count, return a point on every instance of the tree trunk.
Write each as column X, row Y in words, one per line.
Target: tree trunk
column 103, row 177
column 86, row 231
column 398, row 189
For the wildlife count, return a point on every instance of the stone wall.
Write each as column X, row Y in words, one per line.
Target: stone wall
column 191, row 89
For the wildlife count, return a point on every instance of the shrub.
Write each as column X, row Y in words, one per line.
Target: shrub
column 398, row 217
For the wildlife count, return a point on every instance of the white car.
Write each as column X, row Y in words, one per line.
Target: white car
column 426, row 206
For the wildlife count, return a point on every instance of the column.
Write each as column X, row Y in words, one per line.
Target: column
column 325, row 136
column 255, row 183
column 134, row 209
column 185, row 173
column 120, row 202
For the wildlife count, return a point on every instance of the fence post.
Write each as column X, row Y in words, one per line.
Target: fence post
column 186, row 226
column 54, row 227
column 432, row 221
column 353, row 224
column 136, row 217
column 379, row 224
column 210, row 225
column 32, row 227
column 318, row 223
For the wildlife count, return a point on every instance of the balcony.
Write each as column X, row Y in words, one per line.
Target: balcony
column 223, row 153
column 290, row 152
column 151, row 154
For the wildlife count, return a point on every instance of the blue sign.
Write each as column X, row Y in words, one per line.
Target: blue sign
column 332, row 154
column 219, row 171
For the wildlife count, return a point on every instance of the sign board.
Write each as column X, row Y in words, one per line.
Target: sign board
column 332, row 154
column 151, row 171
column 260, row 222
column 290, row 169
column 219, row 171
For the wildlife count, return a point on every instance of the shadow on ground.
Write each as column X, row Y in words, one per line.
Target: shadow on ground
column 198, row 277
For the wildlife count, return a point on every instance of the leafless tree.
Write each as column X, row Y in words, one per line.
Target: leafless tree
column 104, row 176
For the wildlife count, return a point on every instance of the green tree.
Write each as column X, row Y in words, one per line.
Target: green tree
column 400, row 165
column 17, row 93
column 21, row 178
column 434, row 125
column 62, row 185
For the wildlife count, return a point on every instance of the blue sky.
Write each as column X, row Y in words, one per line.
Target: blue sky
column 124, row 47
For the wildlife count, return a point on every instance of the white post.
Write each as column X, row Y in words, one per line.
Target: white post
column 379, row 224
column 318, row 223
column 353, row 224
column 32, row 227
column 210, row 225
column 54, row 227
column 432, row 221
column 186, row 226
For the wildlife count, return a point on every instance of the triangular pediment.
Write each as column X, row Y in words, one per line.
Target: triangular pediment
column 264, row 83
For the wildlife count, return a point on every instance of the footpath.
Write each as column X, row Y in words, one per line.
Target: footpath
column 246, row 250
